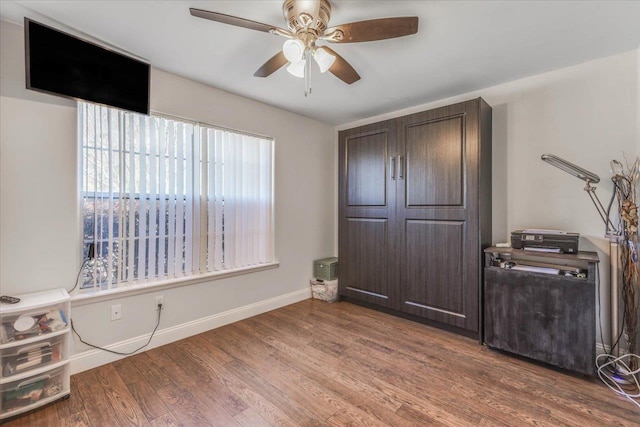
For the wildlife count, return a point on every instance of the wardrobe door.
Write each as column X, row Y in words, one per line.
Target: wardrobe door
column 437, row 215
column 367, row 178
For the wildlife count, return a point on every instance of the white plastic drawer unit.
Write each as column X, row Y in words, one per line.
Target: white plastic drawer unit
column 18, row 359
column 34, row 351
column 24, row 394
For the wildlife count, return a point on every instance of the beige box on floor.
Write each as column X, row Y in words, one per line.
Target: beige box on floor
column 325, row 290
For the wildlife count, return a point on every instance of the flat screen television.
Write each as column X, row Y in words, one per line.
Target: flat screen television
column 61, row 64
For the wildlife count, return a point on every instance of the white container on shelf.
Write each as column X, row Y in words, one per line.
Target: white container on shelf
column 34, row 351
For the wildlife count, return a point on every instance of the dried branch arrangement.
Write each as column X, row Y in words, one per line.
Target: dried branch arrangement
column 626, row 180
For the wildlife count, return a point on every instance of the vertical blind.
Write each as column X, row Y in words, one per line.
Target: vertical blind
column 165, row 198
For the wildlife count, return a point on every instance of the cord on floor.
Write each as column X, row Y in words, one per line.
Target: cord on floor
column 609, row 371
column 118, row 352
column 616, row 374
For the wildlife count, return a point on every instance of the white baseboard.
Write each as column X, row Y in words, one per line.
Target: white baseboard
column 622, row 349
column 602, row 350
column 94, row 358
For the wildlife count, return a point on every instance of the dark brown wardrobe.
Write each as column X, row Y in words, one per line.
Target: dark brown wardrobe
column 415, row 214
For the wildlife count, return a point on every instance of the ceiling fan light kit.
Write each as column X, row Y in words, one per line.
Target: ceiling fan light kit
column 307, row 23
column 324, row 59
column 297, row 68
column 293, row 50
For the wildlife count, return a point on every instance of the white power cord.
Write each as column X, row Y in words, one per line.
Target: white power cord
column 611, row 373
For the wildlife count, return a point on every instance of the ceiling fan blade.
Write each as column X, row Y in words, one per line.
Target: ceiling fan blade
column 375, row 29
column 272, row 65
column 234, row 20
column 342, row 69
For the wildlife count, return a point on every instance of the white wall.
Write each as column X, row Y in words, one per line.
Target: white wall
column 39, row 220
column 587, row 114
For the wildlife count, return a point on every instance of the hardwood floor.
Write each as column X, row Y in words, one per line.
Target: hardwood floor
column 314, row 363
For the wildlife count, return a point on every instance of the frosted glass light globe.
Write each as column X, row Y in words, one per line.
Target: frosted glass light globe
column 324, row 59
column 297, row 68
column 293, row 50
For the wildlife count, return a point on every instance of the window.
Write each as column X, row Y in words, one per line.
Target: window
column 164, row 198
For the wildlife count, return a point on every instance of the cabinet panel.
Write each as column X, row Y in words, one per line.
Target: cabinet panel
column 366, row 158
column 367, row 272
column 541, row 316
column 367, row 204
column 435, row 163
column 433, row 274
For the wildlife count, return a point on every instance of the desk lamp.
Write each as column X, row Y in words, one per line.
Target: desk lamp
column 611, row 233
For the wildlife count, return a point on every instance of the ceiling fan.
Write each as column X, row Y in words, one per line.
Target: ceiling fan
column 307, row 23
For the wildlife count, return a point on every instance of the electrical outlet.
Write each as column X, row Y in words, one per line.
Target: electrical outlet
column 116, row 312
column 160, row 300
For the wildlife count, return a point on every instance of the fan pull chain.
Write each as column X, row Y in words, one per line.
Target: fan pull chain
column 307, row 72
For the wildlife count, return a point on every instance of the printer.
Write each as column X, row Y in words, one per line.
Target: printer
column 540, row 240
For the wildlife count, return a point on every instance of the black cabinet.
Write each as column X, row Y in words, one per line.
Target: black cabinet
column 546, row 317
column 415, row 212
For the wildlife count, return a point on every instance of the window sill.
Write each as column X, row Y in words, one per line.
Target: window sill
column 84, row 298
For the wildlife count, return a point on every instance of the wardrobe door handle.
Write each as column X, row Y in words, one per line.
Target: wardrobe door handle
column 401, row 167
column 392, row 167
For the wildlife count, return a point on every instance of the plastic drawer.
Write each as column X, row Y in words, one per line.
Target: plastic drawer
column 19, row 359
column 19, row 394
column 33, row 323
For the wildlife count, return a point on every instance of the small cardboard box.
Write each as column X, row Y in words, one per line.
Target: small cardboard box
column 326, row 290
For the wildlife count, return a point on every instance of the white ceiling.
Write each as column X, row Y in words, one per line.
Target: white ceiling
column 460, row 46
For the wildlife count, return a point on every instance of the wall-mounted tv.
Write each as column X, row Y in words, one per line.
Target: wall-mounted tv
column 61, row 64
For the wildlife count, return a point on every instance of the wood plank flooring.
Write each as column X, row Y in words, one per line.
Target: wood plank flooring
column 314, row 363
